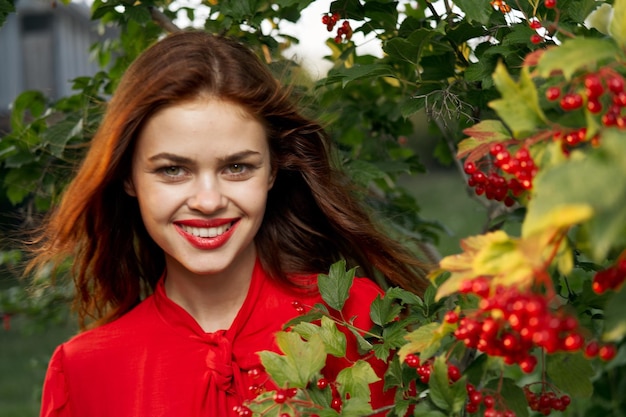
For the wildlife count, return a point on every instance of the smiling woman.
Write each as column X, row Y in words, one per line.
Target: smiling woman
column 205, row 206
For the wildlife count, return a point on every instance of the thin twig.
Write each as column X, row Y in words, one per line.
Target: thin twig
column 160, row 19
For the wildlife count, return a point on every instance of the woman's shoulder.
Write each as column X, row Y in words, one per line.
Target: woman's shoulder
column 117, row 332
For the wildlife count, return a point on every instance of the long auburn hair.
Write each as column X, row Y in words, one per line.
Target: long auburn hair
column 312, row 218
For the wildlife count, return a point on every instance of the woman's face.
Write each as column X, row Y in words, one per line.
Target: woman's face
column 201, row 173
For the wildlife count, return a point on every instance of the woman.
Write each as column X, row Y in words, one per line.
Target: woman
column 205, row 188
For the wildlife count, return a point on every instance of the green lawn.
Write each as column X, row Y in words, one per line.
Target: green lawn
column 25, row 350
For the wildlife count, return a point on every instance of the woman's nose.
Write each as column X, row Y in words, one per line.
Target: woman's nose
column 207, row 196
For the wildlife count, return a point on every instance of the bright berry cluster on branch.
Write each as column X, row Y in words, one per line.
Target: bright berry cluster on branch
column 493, row 404
column 601, row 93
column 344, row 32
column 510, row 324
column 519, row 168
column 424, row 370
column 611, row 278
column 546, row 401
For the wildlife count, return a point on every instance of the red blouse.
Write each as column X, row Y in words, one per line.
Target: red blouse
column 157, row 361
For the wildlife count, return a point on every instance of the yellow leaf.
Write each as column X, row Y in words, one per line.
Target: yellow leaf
column 560, row 217
column 421, row 339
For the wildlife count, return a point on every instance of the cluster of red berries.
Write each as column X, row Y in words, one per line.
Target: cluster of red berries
column 521, row 170
column 500, row 5
column 475, row 398
column 610, row 278
column 335, row 403
column 344, row 32
column 536, row 24
column 509, row 324
column 546, row 401
column 425, row 369
column 602, row 90
column 604, row 351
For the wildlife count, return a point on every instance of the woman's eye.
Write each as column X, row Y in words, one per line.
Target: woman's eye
column 237, row 168
column 172, row 171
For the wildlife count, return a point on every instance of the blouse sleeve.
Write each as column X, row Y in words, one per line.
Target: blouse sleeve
column 54, row 401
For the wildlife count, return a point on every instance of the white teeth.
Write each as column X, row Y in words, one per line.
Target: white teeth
column 206, row 231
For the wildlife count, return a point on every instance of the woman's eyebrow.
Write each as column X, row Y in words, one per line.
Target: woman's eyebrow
column 237, row 156
column 177, row 159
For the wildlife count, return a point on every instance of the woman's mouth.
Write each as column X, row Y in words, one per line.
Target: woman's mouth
column 207, row 231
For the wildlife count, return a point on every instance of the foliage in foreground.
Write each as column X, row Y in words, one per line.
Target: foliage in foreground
column 528, row 100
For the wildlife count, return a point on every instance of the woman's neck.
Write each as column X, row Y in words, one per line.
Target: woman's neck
column 212, row 300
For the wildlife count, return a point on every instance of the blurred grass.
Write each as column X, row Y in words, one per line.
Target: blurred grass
column 26, row 348
column 24, row 353
column 442, row 196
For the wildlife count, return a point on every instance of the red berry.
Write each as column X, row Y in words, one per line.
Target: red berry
column 607, row 352
column 553, row 93
column 536, row 38
column 322, row 383
column 489, row 401
column 475, row 397
column 255, row 372
column 280, row 397
column 593, row 86
column 454, row 374
column 534, row 23
column 619, row 99
column 412, row 360
column 615, row 84
column 451, row 317
column 571, row 101
column 335, row 404
column 573, row 342
column 594, row 106
column 325, row 19
column 244, row 411
column 528, row 364
column 297, row 305
column 469, row 168
column 550, row 4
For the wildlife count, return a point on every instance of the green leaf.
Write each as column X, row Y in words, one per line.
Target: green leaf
column 571, row 373
column 615, row 317
column 424, row 409
column 423, row 340
column 584, row 181
column 519, row 106
column 60, row 133
column 334, row 340
column 357, row 72
column 512, row 394
column 475, row 10
column 316, row 313
column 448, row 397
column 138, row 13
column 575, row 54
column 301, row 361
column 362, row 344
column 481, row 136
column 384, row 310
column 408, row 49
column 355, row 380
column 32, row 101
column 335, row 287
column 617, row 27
